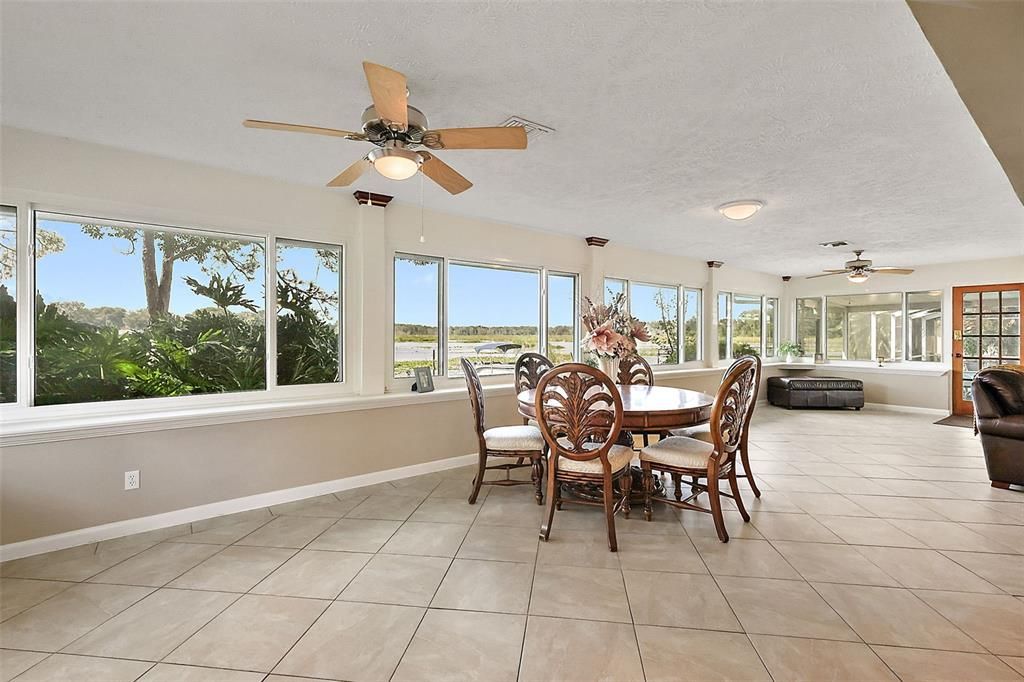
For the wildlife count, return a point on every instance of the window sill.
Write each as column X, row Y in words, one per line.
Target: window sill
column 928, row 369
column 30, row 427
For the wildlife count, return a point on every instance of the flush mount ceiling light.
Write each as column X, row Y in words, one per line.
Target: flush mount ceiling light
column 395, row 163
column 740, row 210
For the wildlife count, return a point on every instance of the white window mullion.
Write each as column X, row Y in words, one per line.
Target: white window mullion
column 25, row 303
column 270, row 307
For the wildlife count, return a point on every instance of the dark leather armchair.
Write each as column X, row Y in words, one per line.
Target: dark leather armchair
column 998, row 394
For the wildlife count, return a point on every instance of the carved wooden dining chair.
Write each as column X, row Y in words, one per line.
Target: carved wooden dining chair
column 530, row 367
column 703, row 432
column 635, row 371
column 714, row 461
column 580, row 415
column 519, row 442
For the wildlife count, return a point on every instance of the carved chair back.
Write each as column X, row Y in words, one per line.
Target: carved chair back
column 579, row 411
column 753, row 400
column 530, row 367
column 476, row 396
column 634, row 370
column 733, row 406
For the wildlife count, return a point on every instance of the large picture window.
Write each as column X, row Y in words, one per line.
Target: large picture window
column 417, row 314
column 746, row 325
column 924, row 326
column 8, row 304
column 131, row 311
column 658, row 306
column 808, row 324
column 613, row 287
column 865, row 327
column 562, row 318
column 308, row 313
column 493, row 316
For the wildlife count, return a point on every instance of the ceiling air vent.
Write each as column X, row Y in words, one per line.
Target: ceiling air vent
column 833, row 245
column 533, row 130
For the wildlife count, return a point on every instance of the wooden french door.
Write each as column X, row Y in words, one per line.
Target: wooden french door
column 986, row 332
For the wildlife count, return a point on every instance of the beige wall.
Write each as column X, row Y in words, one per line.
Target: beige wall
column 52, row 487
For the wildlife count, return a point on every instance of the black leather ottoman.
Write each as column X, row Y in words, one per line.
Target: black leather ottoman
column 790, row 392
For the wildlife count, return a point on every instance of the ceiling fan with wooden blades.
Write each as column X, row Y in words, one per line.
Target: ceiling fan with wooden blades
column 400, row 133
column 858, row 270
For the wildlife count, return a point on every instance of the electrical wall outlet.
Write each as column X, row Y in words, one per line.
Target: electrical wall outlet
column 131, row 480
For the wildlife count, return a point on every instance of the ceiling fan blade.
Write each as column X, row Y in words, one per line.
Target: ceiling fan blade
column 388, row 89
column 503, row 137
column 443, row 174
column 827, row 273
column 350, row 174
column 296, row 128
column 890, row 270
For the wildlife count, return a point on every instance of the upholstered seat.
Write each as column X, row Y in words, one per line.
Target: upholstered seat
column 619, row 457
column 702, row 432
column 679, row 452
column 518, row 438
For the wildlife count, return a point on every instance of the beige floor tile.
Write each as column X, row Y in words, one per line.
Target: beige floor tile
column 459, row 489
column 680, row 600
column 421, row 485
column 131, row 544
column 500, row 543
column 949, row 535
column 168, row 672
column 397, row 579
column 225, row 534
column 235, row 569
column 891, row 507
column 522, row 511
column 578, row 548
column 157, row 565
column 73, row 564
column 976, row 511
column 800, row 527
column 252, row 515
column 1005, row 571
column 757, row 603
column 451, row 645
column 152, row 628
column 670, row 653
column 811, row 660
column 928, row 665
column 353, row 641
column 58, row 621
column 995, row 621
column 864, row 531
column 664, row 521
column 13, row 663
column 327, row 506
column 559, row 650
column 475, row 585
column 389, row 507
column 313, row 574
column 427, row 539
column 1015, row 662
column 445, row 510
column 893, row 616
column 699, row 525
column 356, row 535
column 61, row 667
column 925, row 569
column 828, row 504
column 858, row 485
column 581, row 517
column 746, row 558
column 1010, row 536
column 674, row 553
column 251, row 634
column 292, row 532
column 17, row 594
column 588, row 593
column 820, row 562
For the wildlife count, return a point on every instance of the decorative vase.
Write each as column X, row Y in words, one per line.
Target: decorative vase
column 609, row 366
column 789, row 357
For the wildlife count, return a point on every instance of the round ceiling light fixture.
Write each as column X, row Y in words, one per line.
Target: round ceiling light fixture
column 395, row 163
column 742, row 209
column 857, row 277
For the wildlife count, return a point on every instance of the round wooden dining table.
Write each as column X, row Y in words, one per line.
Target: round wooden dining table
column 647, row 408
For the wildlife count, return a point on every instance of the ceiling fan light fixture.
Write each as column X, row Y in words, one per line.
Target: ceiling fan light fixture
column 857, row 277
column 741, row 210
column 395, row 163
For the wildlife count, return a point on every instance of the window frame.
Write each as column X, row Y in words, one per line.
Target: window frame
column 679, row 309
column 546, row 305
column 156, row 408
column 762, row 347
column 442, row 314
column 700, row 325
column 681, row 289
column 908, row 327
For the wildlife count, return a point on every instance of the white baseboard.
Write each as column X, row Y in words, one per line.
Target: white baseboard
column 908, row 408
column 107, row 531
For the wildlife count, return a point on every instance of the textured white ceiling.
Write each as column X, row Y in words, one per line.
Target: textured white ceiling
column 838, row 115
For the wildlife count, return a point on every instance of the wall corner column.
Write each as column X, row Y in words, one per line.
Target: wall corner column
column 372, row 243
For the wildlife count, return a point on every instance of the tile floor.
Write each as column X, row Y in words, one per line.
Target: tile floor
column 877, row 552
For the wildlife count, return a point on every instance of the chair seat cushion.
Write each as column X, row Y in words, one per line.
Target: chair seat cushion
column 678, row 451
column 702, row 432
column 514, row 438
column 619, row 457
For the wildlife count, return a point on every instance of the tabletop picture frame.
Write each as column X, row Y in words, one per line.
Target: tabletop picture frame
column 424, row 379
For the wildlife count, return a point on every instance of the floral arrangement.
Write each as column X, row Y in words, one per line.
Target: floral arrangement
column 611, row 331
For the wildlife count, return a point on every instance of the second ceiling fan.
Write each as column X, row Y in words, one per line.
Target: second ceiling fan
column 401, row 135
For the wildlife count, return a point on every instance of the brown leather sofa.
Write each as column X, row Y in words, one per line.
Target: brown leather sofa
column 998, row 394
